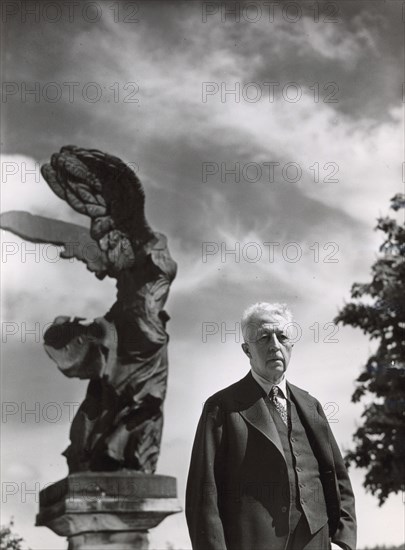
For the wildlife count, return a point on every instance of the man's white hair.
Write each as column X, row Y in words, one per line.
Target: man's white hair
column 275, row 309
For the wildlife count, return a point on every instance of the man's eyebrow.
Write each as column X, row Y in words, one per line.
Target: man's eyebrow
column 276, row 330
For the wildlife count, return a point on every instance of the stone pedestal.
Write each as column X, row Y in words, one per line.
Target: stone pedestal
column 107, row 510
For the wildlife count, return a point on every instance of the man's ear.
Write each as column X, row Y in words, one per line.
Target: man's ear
column 245, row 348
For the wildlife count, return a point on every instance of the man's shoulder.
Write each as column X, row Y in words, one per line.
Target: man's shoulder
column 227, row 392
column 235, row 394
column 297, row 389
column 300, row 392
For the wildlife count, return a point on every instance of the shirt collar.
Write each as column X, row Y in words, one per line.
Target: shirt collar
column 266, row 385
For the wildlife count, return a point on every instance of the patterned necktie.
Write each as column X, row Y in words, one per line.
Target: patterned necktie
column 274, row 398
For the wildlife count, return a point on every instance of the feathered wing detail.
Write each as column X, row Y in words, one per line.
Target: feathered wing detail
column 75, row 239
column 104, row 188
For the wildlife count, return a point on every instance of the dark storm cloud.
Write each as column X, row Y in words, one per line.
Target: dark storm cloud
column 357, row 53
column 261, row 207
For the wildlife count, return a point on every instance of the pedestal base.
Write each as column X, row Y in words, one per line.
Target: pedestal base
column 107, row 510
column 110, row 541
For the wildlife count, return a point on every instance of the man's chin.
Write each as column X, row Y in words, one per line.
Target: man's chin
column 277, row 364
column 275, row 371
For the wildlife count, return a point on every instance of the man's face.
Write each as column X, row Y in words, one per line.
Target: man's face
column 268, row 346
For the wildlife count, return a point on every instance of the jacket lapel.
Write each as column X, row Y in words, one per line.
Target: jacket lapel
column 254, row 410
column 251, row 406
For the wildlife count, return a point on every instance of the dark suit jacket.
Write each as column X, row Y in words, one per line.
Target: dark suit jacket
column 238, row 493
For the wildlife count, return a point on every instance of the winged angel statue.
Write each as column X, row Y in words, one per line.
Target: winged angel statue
column 124, row 352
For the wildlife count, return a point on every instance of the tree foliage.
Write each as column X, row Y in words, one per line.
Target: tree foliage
column 378, row 309
column 8, row 539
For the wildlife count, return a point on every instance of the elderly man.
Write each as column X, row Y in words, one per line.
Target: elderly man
column 266, row 472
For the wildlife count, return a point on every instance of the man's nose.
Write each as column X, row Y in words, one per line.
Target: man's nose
column 274, row 343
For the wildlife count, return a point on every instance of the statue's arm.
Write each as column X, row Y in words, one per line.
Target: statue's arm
column 79, row 349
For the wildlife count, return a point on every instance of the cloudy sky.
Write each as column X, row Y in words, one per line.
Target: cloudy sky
column 278, row 136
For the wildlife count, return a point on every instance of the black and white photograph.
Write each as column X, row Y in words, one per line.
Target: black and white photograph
column 202, row 275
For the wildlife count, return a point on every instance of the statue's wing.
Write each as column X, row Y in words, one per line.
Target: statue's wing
column 104, row 188
column 75, row 239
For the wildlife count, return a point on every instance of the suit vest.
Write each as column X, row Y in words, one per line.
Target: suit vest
column 306, row 491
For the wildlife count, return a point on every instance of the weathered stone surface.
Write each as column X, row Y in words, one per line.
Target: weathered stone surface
column 91, row 507
column 109, row 541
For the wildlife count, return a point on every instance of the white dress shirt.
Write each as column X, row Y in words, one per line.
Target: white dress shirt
column 267, row 386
